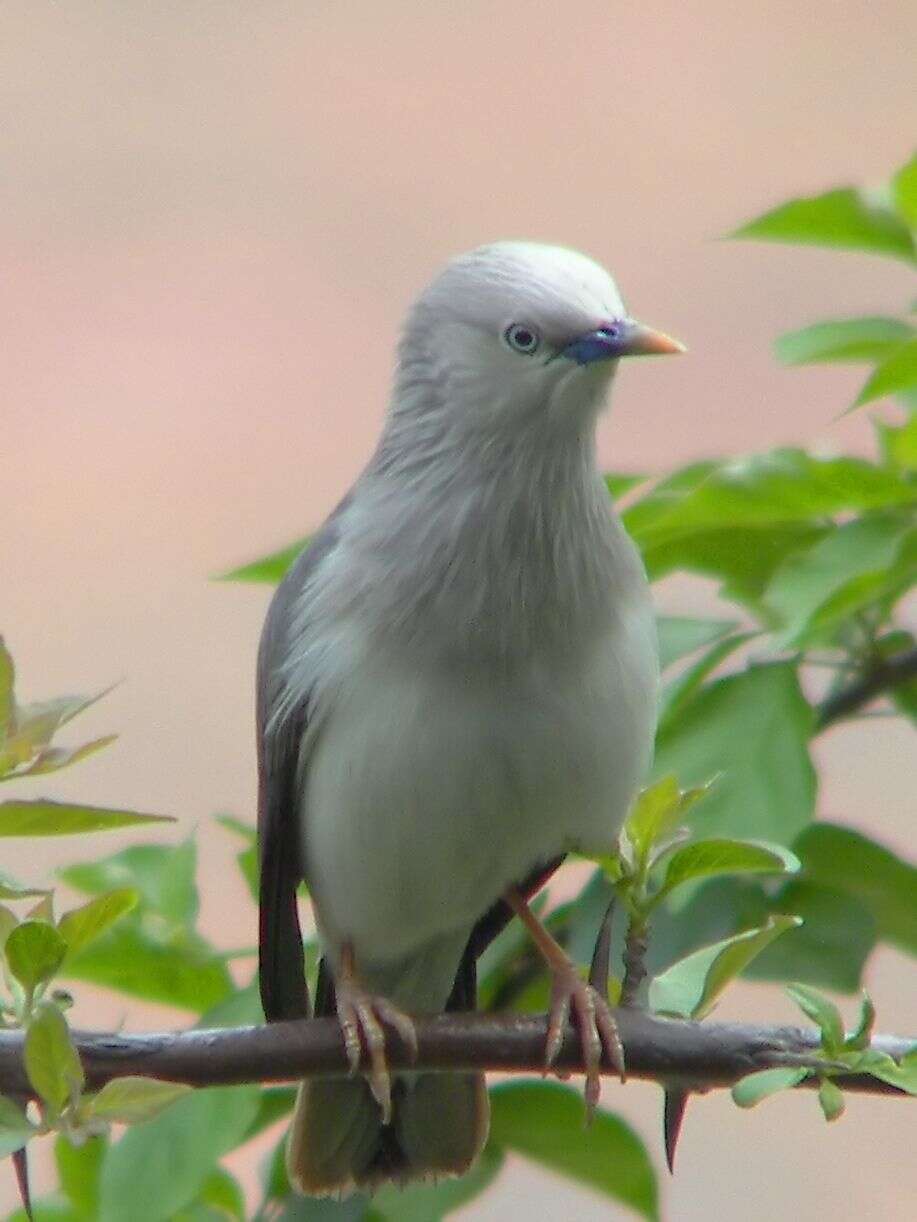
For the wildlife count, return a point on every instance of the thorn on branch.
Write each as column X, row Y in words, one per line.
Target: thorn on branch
column 601, row 956
column 673, row 1114
column 21, row 1167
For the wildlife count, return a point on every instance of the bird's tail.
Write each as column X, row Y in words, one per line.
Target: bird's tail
column 338, row 1143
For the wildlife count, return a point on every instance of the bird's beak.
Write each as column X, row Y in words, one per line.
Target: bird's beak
column 624, row 337
column 639, row 340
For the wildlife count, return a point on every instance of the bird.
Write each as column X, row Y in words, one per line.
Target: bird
column 457, row 685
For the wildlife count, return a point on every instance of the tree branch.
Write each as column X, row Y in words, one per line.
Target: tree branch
column 883, row 675
column 698, row 1056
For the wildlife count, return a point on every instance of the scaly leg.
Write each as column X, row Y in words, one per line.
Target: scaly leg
column 592, row 1015
column 360, row 1016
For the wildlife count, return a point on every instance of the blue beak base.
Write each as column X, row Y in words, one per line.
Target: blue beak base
column 621, row 338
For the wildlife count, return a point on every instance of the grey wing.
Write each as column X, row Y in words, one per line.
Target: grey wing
column 284, row 993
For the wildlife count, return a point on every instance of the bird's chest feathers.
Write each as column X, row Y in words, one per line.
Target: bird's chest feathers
column 494, row 562
column 483, row 698
column 430, row 791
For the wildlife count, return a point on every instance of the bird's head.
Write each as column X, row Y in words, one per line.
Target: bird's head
column 517, row 332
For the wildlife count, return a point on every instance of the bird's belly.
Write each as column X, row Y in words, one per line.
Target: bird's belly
column 427, row 795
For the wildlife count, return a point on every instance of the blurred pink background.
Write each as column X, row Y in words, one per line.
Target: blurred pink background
column 211, row 220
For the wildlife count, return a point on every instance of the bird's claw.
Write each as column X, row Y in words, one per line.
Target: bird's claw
column 360, row 1016
column 598, row 1031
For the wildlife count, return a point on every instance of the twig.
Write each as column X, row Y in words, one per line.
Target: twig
column 698, row 1055
column 636, row 944
column 882, row 675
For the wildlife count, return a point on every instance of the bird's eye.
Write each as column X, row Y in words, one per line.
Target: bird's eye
column 521, row 338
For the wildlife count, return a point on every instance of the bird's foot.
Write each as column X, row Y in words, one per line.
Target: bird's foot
column 570, row 994
column 594, row 1021
column 360, row 1016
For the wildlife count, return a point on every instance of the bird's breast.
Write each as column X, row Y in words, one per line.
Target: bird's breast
column 430, row 788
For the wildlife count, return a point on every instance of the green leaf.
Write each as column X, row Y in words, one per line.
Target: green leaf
column 754, row 728
column 269, row 569
column 755, row 1087
column 15, row 1127
column 83, row 925
column 134, row 958
column 130, row 1100
column 904, row 698
column 34, row 951
column 161, row 1166
column 894, row 375
column 57, row 711
column 655, row 813
column 43, row 910
column 79, row 1169
column 703, row 858
column 544, row 1121
column 618, row 484
column 875, row 592
column 274, row 1103
column 53, row 759
column 737, row 521
column 904, row 192
column 247, row 831
column 823, row 1013
column 37, row 723
column 294, row 1208
column 676, row 693
column 850, row 862
column 49, row 1209
column 899, row 443
column 8, row 922
column 844, row 339
column 658, row 811
column 691, row 987
column 153, row 952
column 845, row 218
column 241, row 1008
column 680, row 636
column 779, row 488
column 499, row 961
column 248, row 859
column 7, row 681
column 220, row 1197
column 803, row 595
column 12, row 890
column 861, row 1035
column 51, row 1061
column 741, row 558
column 831, row 946
column 164, row 876
column 902, row 1074
column 423, row 1202
column 46, row 818
column 247, row 862
column 831, row 1100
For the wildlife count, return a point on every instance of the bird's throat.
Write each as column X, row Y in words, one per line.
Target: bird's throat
column 515, row 553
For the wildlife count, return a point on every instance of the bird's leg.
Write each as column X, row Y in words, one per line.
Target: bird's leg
column 592, row 1015
column 361, row 1015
